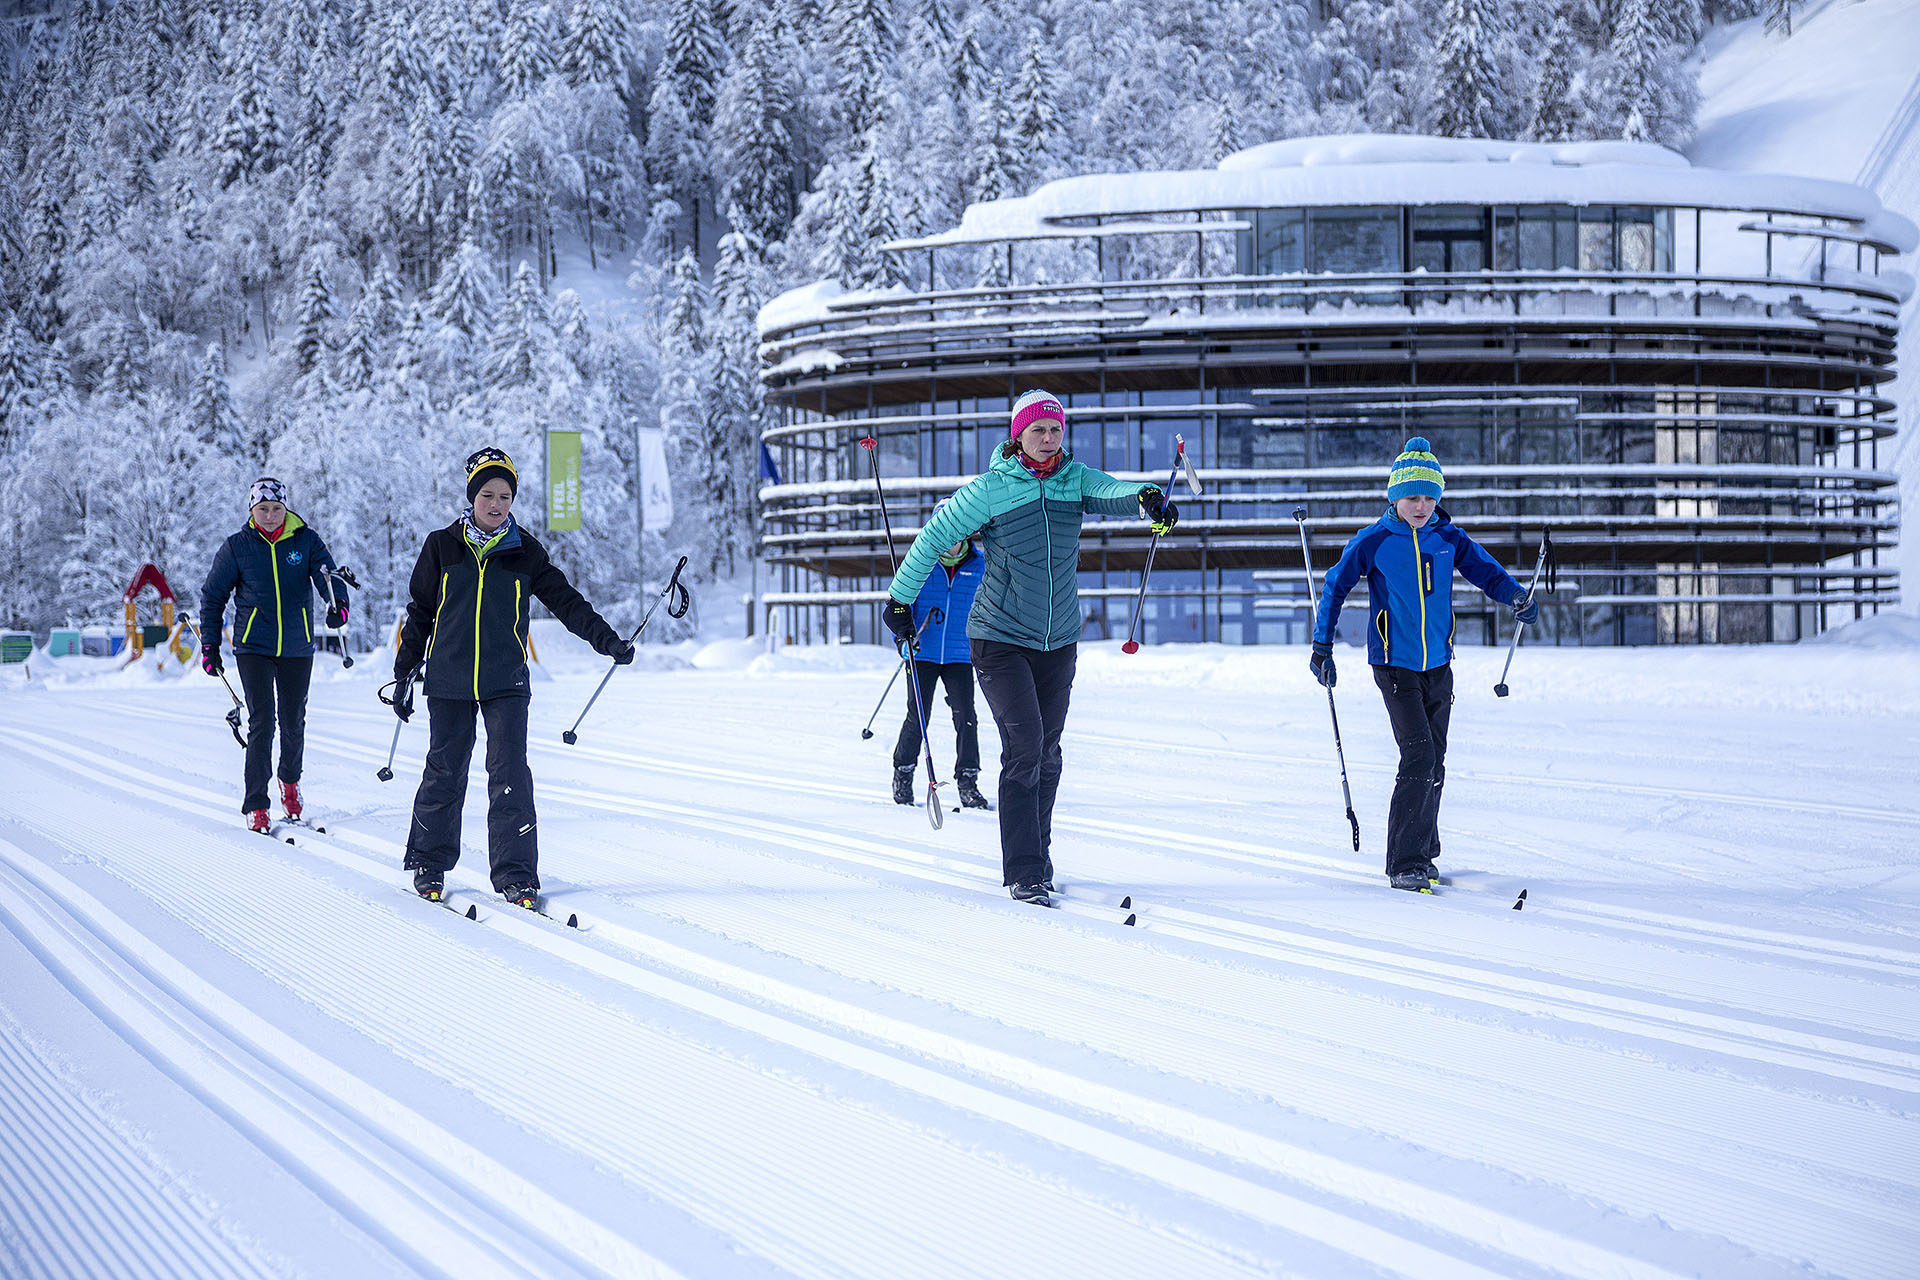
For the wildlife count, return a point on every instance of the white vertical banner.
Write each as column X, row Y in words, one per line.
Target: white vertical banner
column 656, row 487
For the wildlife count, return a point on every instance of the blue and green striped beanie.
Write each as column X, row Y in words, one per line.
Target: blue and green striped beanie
column 1416, row 473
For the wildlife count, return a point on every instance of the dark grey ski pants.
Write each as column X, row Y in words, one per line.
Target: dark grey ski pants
column 433, row 839
column 1419, row 703
column 1028, row 691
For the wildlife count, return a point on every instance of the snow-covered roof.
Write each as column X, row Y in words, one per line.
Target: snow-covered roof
column 1375, row 169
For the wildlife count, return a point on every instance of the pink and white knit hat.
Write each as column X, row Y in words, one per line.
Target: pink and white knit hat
column 1032, row 407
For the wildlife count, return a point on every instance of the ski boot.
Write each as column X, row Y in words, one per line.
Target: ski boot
column 1414, row 881
column 1034, row 893
column 903, row 784
column 967, row 785
column 257, row 820
column 430, row 884
column 523, row 894
column 290, row 800
column 1432, row 872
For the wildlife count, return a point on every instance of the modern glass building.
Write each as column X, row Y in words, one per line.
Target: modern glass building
column 1678, row 372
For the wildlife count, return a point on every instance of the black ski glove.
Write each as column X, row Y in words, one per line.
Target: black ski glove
column 899, row 620
column 403, row 700
column 210, row 662
column 1155, row 507
column 1321, row 664
column 622, row 654
column 337, row 616
column 1526, row 610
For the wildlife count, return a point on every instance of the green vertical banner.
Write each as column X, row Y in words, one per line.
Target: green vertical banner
column 563, row 480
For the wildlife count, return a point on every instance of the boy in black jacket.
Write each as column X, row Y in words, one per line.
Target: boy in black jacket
column 467, row 619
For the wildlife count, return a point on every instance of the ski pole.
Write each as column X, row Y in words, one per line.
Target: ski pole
column 935, row 814
column 233, row 712
column 678, row 609
column 402, row 692
column 326, row 584
column 1153, row 543
column 933, row 615
column 1313, row 618
column 1539, row 563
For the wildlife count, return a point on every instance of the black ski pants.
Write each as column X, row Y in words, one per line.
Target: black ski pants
column 1419, row 703
column 1028, row 691
column 958, row 678
column 512, row 841
column 276, row 689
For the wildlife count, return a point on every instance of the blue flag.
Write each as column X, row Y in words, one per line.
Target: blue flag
column 767, row 470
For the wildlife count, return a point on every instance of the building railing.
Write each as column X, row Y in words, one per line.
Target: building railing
column 886, row 326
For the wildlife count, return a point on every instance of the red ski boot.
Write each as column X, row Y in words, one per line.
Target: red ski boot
column 290, row 800
column 257, row 821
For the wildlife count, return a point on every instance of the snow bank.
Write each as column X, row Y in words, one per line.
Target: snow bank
column 1882, row 631
column 823, row 659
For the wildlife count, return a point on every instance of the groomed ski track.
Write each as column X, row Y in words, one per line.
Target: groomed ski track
column 798, row 1033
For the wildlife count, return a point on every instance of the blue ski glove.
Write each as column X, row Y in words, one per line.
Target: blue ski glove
column 1321, row 664
column 1155, row 507
column 1527, row 610
column 899, row 620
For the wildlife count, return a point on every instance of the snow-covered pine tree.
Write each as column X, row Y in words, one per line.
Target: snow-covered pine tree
column 1780, row 13
column 1555, row 115
column 523, row 346
column 738, row 411
column 461, row 315
column 250, row 140
column 994, row 163
column 686, row 375
column 210, row 410
column 19, row 376
column 315, row 315
column 1463, row 76
column 596, row 49
column 528, row 48
column 1036, row 111
column 755, row 146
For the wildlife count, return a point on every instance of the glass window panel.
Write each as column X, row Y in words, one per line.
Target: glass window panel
column 1356, row 241
column 1282, row 241
column 1430, row 255
column 1596, row 240
column 1536, row 244
column 1636, row 239
column 1504, row 241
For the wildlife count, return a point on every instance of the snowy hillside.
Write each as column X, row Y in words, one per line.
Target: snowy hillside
column 798, row 1033
column 1838, row 99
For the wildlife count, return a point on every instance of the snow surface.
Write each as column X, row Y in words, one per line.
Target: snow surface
column 799, row 1033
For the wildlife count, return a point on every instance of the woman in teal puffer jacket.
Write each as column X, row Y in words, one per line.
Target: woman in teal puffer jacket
column 1024, row 630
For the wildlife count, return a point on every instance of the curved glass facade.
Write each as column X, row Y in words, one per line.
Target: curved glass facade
column 1703, row 446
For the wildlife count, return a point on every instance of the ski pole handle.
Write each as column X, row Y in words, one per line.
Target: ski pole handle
column 683, row 600
column 326, row 584
column 1153, row 543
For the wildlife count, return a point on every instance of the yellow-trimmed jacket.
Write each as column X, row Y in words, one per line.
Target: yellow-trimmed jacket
column 467, row 613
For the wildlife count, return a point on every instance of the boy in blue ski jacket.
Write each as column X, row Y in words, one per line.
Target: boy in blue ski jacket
column 944, row 657
column 1408, row 557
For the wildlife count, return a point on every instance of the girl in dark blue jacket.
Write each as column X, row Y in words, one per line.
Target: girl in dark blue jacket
column 270, row 568
column 944, row 656
column 1408, row 557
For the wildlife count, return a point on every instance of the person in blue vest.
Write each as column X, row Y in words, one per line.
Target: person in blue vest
column 945, row 657
column 269, row 569
column 1408, row 557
